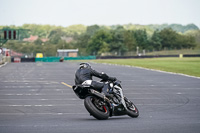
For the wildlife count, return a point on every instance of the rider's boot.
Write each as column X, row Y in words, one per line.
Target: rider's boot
column 106, row 90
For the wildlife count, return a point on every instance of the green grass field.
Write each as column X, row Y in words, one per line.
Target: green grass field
column 189, row 66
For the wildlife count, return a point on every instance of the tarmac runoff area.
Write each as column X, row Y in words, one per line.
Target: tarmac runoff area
column 37, row 97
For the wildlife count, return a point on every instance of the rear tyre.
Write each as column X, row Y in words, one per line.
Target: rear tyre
column 97, row 107
column 132, row 110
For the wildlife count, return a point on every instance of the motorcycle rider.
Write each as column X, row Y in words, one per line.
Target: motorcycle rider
column 84, row 74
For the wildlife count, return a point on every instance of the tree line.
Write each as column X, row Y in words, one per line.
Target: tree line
column 103, row 40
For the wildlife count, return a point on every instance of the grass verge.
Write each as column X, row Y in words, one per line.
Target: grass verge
column 189, row 66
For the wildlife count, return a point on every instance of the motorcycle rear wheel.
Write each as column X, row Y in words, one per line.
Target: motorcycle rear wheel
column 93, row 106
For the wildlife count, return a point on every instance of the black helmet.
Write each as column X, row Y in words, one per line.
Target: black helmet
column 84, row 65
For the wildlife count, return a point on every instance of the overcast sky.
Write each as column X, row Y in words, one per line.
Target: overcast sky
column 101, row 12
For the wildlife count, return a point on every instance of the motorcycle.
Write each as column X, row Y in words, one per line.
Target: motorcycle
column 102, row 107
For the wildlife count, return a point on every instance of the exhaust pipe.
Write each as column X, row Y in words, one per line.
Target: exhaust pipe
column 99, row 95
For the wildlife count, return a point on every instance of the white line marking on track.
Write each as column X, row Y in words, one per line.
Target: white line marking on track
column 63, row 94
column 4, row 64
column 69, row 99
column 33, row 90
column 56, row 105
column 42, row 114
column 49, row 105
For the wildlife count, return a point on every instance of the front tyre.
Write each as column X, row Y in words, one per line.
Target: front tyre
column 97, row 107
column 132, row 110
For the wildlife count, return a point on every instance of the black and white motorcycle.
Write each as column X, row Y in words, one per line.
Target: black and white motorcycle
column 102, row 107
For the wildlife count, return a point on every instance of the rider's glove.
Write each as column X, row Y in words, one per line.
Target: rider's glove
column 104, row 76
column 112, row 78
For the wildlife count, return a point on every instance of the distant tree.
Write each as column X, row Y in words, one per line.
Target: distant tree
column 49, row 50
column 172, row 40
column 184, row 41
column 129, row 40
column 175, row 27
column 38, row 42
column 190, row 27
column 196, row 35
column 92, row 29
column 117, row 43
column 155, row 41
column 141, row 38
column 168, row 38
column 99, row 42
column 75, row 29
column 55, row 36
column 81, row 43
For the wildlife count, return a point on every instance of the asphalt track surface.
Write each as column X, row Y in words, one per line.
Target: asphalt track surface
column 34, row 100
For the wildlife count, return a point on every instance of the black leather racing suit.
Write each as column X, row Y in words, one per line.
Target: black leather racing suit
column 83, row 74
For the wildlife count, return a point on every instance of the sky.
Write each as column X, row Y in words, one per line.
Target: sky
column 101, row 12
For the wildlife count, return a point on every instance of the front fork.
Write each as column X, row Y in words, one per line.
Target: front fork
column 122, row 96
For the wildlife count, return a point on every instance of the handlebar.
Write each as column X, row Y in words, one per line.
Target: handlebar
column 116, row 81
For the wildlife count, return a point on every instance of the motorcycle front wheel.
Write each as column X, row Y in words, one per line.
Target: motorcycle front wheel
column 132, row 110
column 97, row 107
